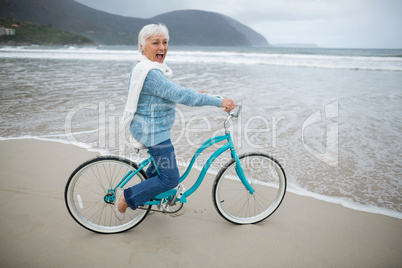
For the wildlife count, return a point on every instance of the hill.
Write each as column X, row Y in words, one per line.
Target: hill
column 38, row 34
column 69, row 15
column 186, row 27
column 195, row 27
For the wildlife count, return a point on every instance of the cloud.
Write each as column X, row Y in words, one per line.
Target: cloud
column 359, row 24
column 136, row 8
column 341, row 23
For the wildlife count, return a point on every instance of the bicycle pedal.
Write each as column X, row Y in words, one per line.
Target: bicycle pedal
column 179, row 193
column 163, row 206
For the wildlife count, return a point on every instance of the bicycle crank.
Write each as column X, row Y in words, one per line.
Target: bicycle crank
column 166, row 208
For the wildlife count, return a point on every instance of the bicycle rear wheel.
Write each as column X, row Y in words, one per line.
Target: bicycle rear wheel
column 235, row 203
column 86, row 190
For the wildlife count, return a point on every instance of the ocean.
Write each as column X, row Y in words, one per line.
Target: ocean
column 331, row 117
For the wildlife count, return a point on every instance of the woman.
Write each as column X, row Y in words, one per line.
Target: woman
column 152, row 100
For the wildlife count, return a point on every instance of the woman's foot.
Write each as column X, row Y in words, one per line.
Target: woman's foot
column 120, row 205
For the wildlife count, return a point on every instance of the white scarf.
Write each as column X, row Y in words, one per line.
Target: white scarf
column 138, row 76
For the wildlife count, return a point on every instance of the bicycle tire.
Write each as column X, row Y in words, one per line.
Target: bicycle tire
column 87, row 187
column 235, row 203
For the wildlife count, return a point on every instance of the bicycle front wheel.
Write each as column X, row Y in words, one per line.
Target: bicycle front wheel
column 235, row 203
column 86, row 190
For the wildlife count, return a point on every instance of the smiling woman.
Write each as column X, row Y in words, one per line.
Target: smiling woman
column 153, row 42
column 150, row 112
column 156, row 48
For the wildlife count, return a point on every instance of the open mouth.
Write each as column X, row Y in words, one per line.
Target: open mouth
column 160, row 56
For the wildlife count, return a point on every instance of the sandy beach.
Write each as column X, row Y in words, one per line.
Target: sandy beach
column 37, row 230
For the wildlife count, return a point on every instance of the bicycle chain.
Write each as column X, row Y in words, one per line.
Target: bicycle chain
column 164, row 211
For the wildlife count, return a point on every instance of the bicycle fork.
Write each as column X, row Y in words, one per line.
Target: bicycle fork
column 238, row 167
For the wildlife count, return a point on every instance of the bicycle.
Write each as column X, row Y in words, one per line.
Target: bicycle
column 247, row 190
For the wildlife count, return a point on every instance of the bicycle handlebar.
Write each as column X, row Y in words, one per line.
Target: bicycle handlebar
column 236, row 111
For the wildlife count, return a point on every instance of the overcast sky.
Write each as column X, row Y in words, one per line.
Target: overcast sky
column 327, row 23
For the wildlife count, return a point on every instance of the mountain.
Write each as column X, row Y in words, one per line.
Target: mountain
column 196, row 27
column 102, row 27
column 186, row 27
column 255, row 38
column 38, row 34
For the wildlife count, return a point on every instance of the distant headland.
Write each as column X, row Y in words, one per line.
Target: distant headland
column 15, row 32
column 186, row 27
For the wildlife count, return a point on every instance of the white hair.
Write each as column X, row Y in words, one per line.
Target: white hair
column 151, row 30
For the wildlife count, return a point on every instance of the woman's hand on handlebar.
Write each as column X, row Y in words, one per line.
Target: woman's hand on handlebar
column 228, row 105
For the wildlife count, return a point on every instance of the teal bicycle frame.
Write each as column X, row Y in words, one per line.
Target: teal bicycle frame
column 183, row 199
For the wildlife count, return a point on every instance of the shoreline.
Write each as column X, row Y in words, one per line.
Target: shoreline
column 38, row 231
column 290, row 189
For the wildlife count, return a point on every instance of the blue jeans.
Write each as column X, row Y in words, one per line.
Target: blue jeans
column 165, row 159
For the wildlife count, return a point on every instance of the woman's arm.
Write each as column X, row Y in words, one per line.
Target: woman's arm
column 162, row 87
column 227, row 104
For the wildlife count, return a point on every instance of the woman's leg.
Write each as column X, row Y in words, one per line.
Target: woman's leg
column 165, row 160
column 151, row 171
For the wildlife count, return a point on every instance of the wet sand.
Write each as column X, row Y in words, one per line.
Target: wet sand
column 37, row 230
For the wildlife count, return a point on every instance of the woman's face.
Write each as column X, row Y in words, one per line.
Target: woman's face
column 156, row 48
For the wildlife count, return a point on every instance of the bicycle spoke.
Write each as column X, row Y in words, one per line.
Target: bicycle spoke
column 234, row 202
column 86, row 190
